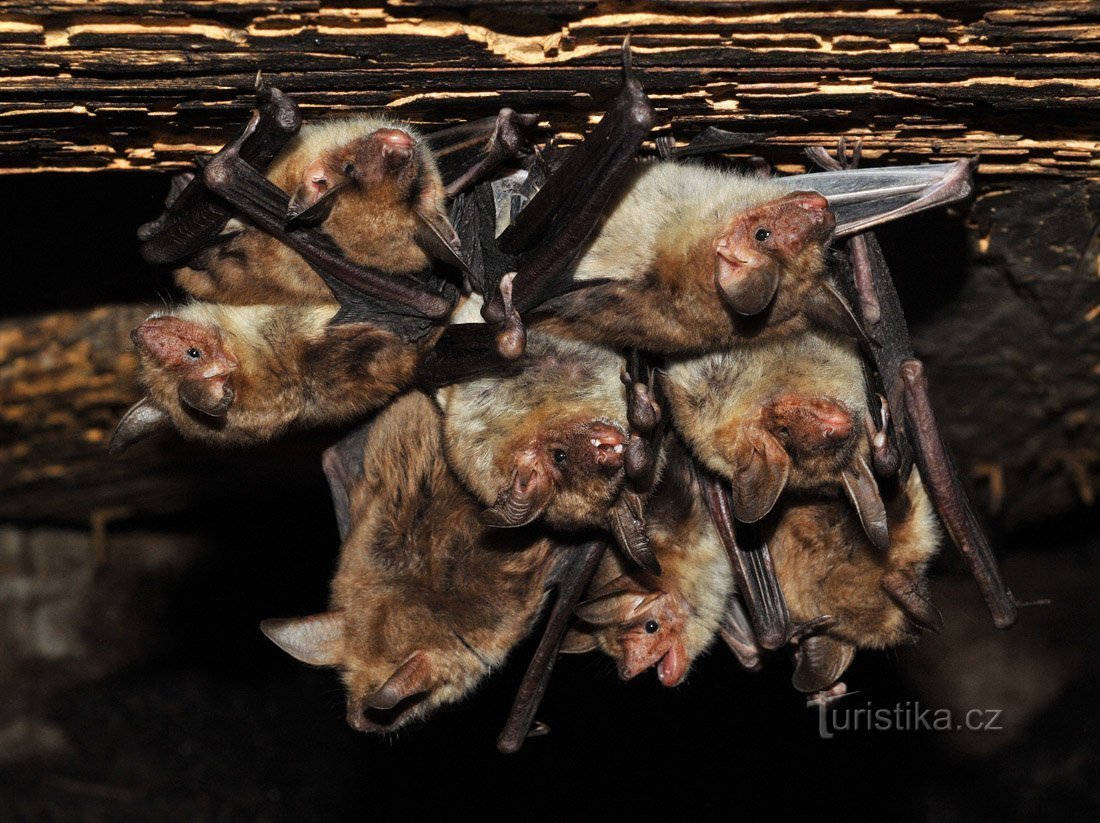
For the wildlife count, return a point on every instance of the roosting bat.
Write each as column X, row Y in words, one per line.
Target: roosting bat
column 858, row 596
column 245, row 374
column 641, row 620
column 426, row 600
column 789, row 414
column 371, row 183
column 545, row 444
column 694, row 259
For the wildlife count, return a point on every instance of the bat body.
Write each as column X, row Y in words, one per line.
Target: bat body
column 788, row 414
column 372, row 186
column 641, row 620
column 547, row 442
column 828, row 568
column 426, row 600
column 693, row 259
column 245, row 374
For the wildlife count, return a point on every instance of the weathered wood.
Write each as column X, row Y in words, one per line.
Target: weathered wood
column 136, row 85
column 65, row 379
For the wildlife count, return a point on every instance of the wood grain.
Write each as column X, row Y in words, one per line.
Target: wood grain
column 125, row 85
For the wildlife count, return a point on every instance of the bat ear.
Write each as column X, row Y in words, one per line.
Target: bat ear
column 862, row 490
column 439, row 240
column 141, row 420
column 317, row 640
column 578, row 642
column 314, row 198
column 819, row 662
column 762, row 467
column 617, row 607
column 746, row 288
column 827, row 309
column 411, row 677
column 203, row 395
column 524, row 499
column 627, row 520
column 904, row 590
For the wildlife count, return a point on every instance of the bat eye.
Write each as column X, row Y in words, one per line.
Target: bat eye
column 349, row 168
column 652, row 627
column 194, row 353
column 559, row 456
column 762, row 235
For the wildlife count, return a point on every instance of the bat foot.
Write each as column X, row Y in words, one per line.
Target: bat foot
column 885, row 457
column 512, row 337
column 826, row 697
column 220, row 173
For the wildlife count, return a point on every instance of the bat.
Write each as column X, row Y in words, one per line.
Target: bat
column 850, row 593
column 372, row 185
column 238, row 375
column 426, row 601
column 547, row 443
column 641, row 620
column 694, row 259
column 913, row 432
column 789, row 414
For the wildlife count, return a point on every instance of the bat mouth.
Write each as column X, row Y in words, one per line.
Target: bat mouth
column 608, row 445
column 672, row 667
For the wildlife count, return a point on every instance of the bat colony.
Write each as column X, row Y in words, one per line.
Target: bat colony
column 658, row 396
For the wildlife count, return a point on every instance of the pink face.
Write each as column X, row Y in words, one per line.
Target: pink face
column 385, row 155
column 655, row 640
column 195, row 355
column 575, row 459
column 760, row 242
column 808, row 424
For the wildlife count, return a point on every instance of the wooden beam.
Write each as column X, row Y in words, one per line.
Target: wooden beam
column 124, row 84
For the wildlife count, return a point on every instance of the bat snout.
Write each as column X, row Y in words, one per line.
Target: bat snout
column 607, row 444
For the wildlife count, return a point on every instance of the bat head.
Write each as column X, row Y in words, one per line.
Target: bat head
column 385, row 167
column 639, row 629
column 763, row 243
column 189, row 356
column 397, row 666
column 804, row 441
column 570, row 472
column 809, row 427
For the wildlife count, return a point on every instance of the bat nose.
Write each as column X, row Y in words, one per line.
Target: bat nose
column 810, row 201
column 397, row 148
column 395, row 137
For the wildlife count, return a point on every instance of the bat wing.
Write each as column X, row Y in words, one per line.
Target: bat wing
column 865, row 278
column 195, row 216
column 864, row 198
column 572, row 573
column 550, row 232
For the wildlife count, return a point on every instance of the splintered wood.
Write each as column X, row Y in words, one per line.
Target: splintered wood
column 132, row 85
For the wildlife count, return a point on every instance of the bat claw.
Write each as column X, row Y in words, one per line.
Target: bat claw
column 826, row 697
column 512, row 337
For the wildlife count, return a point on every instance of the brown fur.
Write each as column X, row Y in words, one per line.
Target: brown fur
column 293, row 369
column 801, row 400
column 826, row 566
column 658, row 246
column 418, row 575
column 568, row 392
column 375, row 221
column 692, row 590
